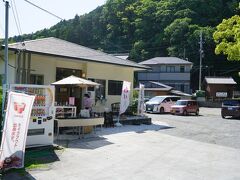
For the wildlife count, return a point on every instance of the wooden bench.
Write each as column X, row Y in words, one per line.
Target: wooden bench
column 79, row 123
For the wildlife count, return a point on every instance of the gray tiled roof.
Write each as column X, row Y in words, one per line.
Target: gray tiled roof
column 61, row 48
column 151, row 85
column 165, row 60
column 219, row 80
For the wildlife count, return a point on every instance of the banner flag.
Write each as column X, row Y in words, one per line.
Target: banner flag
column 125, row 96
column 141, row 100
column 15, row 130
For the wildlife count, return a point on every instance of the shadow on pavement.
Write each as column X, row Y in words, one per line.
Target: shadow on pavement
column 90, row 143
column 18, row 176
column 134, row 128
column 94, row 141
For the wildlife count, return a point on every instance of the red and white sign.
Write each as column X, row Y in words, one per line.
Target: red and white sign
column 15, row 129
column 125, row 97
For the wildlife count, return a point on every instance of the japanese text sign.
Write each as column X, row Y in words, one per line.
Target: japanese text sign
column 15, row 129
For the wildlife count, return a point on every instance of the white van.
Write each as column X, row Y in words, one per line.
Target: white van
column 161, row 104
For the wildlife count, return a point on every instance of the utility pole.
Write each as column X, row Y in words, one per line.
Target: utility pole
column 6, row 43
column 184, row 53
column 200, row 64
column 5, row 82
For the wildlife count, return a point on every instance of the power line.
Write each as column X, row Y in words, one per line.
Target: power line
column 16, row 20
column 43, row 9
column 14, row 3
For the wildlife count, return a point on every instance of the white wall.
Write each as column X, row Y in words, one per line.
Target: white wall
column 110, row 72
column 45, row 65
column 11, row 69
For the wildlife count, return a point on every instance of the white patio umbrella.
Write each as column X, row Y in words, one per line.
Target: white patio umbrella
column 73, row 80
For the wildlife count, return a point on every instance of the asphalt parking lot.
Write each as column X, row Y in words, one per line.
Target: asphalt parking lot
column 208, row 127
column 174, row 147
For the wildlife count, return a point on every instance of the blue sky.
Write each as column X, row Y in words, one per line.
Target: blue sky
column 33, row 19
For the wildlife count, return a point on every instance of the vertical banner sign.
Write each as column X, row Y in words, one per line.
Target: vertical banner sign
column 15, row 129
column 125, row 96
column 141, row 100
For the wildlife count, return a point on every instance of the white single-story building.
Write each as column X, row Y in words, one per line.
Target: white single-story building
column 44, row 61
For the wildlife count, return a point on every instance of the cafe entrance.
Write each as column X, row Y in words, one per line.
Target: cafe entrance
column 63, row 93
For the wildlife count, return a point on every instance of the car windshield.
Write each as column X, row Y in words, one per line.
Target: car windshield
column 181, row 103
column 231, row 103
column 146, row 99
column 157, row 99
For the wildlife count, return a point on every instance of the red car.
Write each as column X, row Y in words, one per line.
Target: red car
column 185, row 107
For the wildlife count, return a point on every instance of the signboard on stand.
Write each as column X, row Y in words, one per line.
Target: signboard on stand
column 15, row 129
column 221, row 94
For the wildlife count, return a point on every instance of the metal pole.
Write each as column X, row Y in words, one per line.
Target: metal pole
column 118, row 124
column 5, row 82
column 6, row 44
column 184, row 53
column 200, row 65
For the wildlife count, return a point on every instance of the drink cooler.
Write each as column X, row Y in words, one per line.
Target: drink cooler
column 40, row 130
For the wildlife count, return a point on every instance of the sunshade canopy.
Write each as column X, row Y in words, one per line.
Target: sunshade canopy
column 73, row 80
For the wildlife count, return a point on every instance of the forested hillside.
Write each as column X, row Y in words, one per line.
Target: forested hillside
column 149, row 28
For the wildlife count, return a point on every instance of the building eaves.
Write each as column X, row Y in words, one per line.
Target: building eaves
column 61, row 48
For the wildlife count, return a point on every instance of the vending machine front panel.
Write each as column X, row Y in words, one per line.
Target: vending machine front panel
column 40, row 130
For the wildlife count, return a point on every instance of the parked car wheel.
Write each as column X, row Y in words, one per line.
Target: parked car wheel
column 197, row 112
column 161, row 110
column 184, row 113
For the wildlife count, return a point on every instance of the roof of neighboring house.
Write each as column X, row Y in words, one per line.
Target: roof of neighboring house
column 156, row 86
column 61, row 48
column 165, row 60
column 180, row 93
column 219, row 80
column 121, row 55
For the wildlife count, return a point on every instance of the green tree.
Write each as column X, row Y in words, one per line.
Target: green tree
column 227, row 38
column 150, row 28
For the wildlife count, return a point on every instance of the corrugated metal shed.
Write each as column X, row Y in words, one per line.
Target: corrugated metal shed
column 219, row 80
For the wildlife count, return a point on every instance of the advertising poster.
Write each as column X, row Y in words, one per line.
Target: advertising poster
column 125, row 97
column 72, row 101
column 15, row 129
column 141, row 100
